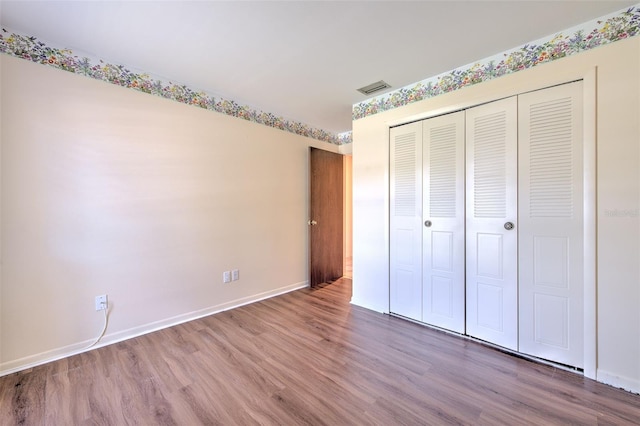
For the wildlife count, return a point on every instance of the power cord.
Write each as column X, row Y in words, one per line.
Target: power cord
column 104, row 329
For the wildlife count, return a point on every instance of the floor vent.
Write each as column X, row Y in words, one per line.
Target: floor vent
column 374, row 87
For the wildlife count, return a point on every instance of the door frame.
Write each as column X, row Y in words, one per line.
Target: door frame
column 589, row 159
column 589, row 78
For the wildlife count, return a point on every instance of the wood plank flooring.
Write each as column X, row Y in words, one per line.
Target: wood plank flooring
column 307, row 357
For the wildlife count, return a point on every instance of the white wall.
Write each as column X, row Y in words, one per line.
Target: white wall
column 111, row 191
column 618, row 193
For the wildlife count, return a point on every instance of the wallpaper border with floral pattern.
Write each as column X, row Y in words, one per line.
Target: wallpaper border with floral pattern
column 35, row 50
column 608, row 29
column 616, row 26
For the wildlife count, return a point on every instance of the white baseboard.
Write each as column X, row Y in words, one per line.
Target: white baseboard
column 626, row 383
column 31, row 361
column 360, row 304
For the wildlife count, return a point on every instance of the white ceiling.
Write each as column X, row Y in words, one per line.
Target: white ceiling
column 302, row 60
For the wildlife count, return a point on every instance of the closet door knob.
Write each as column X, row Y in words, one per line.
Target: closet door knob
column 427, row 223
column 509, row 226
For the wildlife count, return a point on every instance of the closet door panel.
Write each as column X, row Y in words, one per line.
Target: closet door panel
column 406, row 221
column 491, row 221
column 443, row 279
column 551, row 224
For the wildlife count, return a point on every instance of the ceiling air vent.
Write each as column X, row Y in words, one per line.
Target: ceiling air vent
column 374, row 87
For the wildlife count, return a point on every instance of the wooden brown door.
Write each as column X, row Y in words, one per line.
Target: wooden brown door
column 325, row 216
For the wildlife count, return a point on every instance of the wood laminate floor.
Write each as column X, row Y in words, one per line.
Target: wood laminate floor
column 307, row 357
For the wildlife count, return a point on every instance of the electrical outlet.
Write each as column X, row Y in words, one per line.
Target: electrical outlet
column 235, row 275
column 101, row 302
column 226, row 277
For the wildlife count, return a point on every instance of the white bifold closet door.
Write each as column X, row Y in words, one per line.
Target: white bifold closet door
column 551, row 224
column 405, row 221
column 487, row 223
column 491, row 221
column 443, row 273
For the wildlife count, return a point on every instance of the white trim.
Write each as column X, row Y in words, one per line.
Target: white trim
column 612, row 379
column 379, row 311
column 77, row 348
column 590, row 352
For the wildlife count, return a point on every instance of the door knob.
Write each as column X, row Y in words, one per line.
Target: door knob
column 509, row 226
column 312, row 223
column 427, row 223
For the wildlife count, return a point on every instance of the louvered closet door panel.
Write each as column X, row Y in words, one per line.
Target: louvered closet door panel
column 443, row 213
column 405, row 221
column 551, row 224
column 492, row 292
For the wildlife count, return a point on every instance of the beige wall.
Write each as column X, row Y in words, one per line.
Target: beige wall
column 618, row 193
column 106, row 190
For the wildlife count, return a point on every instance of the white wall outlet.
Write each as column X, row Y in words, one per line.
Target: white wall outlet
column 226, row 277
column 235, row 275
column 101, row 302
